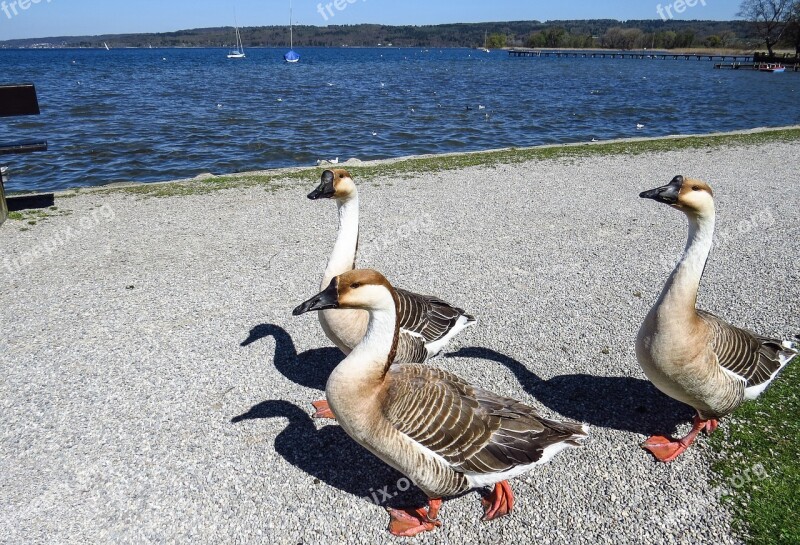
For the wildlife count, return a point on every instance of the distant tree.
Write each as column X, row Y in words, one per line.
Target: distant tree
column 727, row 38
column 537, row 39
column 613, row 38
column 793, row 28
column 769, row 17
column 685, row 38
column 581, row 42
column 642, row 40
column 553, row 36
column 631, row 38
column 497, row 41
column 667, row 39
column 621, row 38
column 713, row 41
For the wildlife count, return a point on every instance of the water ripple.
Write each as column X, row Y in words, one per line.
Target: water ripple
column 126, row 115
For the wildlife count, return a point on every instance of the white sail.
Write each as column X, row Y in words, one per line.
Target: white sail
column 237, row 53
column 485, row 47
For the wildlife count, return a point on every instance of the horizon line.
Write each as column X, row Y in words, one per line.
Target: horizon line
column 656, row 20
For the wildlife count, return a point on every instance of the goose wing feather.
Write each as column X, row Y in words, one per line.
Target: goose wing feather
column 746, row 354
column 410, row 348
column 475, row 431
column 427, row 316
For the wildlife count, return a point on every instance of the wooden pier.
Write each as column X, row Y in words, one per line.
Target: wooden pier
column 753, row 66
column 630, row 55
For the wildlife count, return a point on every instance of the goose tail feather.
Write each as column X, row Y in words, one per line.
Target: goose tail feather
column 784, row 352
column 789, row 352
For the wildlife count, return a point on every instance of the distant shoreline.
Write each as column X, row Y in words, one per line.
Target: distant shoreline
column 672, row 33
column 683, row 51
column 215, row 47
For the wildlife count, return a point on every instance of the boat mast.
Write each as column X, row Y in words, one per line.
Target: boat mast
column 239, row 46
column 291, row 29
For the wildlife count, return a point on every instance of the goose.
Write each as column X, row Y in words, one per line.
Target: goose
column 446, row 435
column 427, row 324
column 689, row 354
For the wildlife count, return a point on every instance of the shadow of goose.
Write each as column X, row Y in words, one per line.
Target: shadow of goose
column 334, row 458
column 621, row 403
column 310, row 369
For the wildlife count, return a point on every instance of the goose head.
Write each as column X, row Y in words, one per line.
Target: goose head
column 335, row 184
column 362, row 289
column 693, row 197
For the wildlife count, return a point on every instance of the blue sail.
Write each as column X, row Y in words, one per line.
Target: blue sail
column 291, row 56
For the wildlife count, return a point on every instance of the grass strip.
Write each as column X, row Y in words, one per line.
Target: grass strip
column 757, row 466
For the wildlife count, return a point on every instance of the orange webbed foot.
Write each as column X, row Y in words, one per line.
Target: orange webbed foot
column 711, row 426
column 323, row 410
column 410, row 522
column 499, row 503
column 664, row 449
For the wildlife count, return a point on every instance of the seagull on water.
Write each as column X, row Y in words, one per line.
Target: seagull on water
column 328, row 162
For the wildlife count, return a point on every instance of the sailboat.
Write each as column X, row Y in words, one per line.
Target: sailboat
column 291, row 57
column 237, row 53
column 485, row 43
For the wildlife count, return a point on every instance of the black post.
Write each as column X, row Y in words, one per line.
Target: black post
column 3, row 205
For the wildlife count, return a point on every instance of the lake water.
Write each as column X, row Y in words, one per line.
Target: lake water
column 160, row 114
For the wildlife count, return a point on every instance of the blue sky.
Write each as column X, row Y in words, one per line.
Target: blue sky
column 89, row 17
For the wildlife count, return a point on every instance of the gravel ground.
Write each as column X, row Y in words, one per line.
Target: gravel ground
column 155, row 387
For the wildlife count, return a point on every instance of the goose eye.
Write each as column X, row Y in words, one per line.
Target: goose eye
column 355, row 285
column 696, row 188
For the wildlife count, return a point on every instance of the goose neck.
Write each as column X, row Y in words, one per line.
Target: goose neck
column 346, row 247
column 680, row 292
column 370, row 360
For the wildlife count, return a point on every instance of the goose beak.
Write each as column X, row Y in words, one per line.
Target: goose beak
column 667, row 194
column 325, row 189
column 322, row 301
